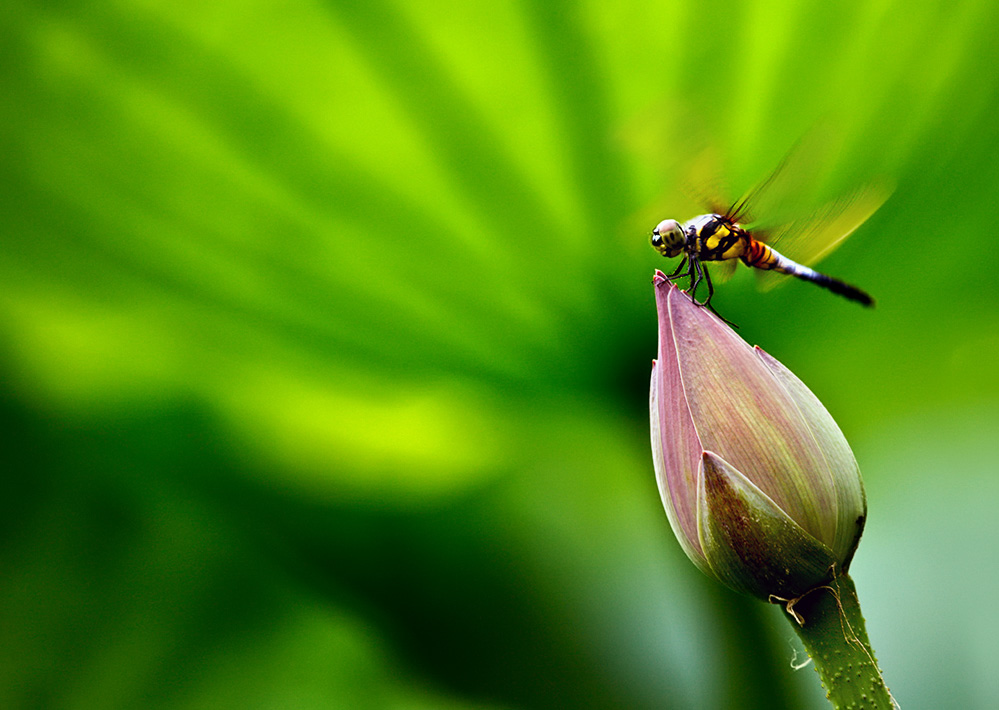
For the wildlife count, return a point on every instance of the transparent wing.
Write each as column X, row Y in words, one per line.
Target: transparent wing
column 786, row 194
column 702, row 183
column 810, row 239
column 813, row 238
column 686, row 166
column 721, row 271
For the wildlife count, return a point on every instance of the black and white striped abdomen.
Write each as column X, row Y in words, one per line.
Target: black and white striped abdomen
column 761, row 256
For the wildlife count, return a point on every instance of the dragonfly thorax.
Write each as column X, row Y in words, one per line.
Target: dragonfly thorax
column 704, row 224
column 715, row 237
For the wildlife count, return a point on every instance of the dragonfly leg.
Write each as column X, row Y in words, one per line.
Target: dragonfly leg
column 704, row 273
column 697, row 272
column 711, row 289
column 707, row 302
column 678, row 272
column 696, row 276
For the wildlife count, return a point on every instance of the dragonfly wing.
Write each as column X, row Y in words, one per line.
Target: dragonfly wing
column 695, row 187
column 702, row 182
column 785, row 194
column 722, row 271
column 812, row 238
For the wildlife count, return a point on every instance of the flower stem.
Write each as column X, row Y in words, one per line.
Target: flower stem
column 828, row 621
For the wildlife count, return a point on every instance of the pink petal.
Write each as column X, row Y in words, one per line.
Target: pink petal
column 676, row 449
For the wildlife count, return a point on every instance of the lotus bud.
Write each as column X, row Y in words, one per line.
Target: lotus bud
column 759, row 484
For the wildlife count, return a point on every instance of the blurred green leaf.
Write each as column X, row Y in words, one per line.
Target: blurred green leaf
column 325, row 330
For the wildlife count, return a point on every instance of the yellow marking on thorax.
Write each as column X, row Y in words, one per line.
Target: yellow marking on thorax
column 736, row 250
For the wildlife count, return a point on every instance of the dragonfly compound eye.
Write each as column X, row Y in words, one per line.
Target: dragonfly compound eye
column 667, row 238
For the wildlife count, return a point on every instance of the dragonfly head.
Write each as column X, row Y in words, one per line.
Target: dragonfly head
column 668, row 238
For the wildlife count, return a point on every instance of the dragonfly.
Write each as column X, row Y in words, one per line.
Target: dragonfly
column 733, row 234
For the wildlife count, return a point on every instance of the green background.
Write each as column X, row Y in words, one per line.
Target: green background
column 325, row 334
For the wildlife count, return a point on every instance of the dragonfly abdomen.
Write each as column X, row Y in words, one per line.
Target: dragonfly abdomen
column 837, row 286
column 761, row 256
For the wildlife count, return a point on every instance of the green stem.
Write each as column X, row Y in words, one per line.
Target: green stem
column 829, row 623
